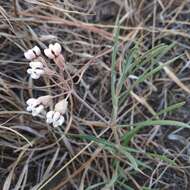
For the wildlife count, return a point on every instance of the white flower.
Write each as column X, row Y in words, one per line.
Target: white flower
column 32, row 53
column 53, row 51
column 61, row 106
column 34, row 106
column 32, row 102
column 38, row 110
column 35, row 73
column 37, row 105
column 55, row 118
column 59, row 122
column 49, row 117
column 36, row 69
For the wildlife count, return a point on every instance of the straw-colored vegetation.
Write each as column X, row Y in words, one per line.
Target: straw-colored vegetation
column 120, row 91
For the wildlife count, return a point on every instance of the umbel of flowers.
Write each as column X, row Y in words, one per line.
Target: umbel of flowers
column 37, row 105
column 41, row 106
column 56, row 116
column 36, row 69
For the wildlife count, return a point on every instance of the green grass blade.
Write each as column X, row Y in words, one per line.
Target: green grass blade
column 140, row 125
column 170, row 108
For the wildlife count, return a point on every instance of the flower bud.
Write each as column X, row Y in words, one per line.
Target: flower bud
column 53, row 50
column 49, row 54
column 57, row 49
column 37, row 50
column 29, row 55
column 61, row 106
column 32, row 53
column 46, row 100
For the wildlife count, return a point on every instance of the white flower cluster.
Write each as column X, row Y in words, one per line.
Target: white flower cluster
column 55, row 117
column 53, row 51
column 34, row 106
column 32, row 53
column 37, row 106
column 37, row 68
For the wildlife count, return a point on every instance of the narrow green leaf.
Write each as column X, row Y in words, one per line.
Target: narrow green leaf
column 140, row 125
column 171, row 108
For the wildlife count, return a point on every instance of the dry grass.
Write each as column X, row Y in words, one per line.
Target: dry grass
column 105, row 144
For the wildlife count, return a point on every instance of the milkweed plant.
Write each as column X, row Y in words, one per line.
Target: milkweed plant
column 38, row 67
